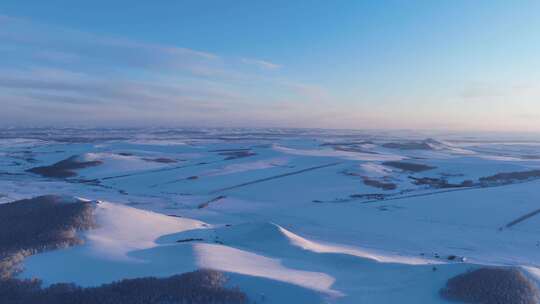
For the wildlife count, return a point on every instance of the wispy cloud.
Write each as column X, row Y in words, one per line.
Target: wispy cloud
column 487, row 91
column 312, row 92
column 62, row 45
column 56, row 56
column 262, row 64
column 58, row 75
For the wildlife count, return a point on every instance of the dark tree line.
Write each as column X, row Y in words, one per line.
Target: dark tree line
column 198, row 287
column 50, row 222
column 38, row 224
column 492, row 286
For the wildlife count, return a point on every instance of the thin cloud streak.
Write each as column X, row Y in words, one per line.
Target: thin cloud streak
column 262, row 64
column 90, row 77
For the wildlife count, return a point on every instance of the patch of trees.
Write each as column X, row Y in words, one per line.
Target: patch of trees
column 198, row 287
column 440, row 183
column 412, row 145
column 49, row 222
column 379, row 184
column 509, row 177
column 38, row 224
column 64, row 168
column 493, row 286
column 405, row 166
column 230, row 155
column 162, row 160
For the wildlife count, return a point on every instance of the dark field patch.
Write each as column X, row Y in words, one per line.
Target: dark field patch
column 234, row 153
column 125, row 154
column 379, row 184
column 352, row 143
column 353, row 149
column 350, row 146
column 408, row 146
column 39, row 224
column 237, row 154
column 64, row 168
column 509, row 177
column 230, row 150
column 198, row 287
column 405, row 166
column 492, row 286
column 162, row 160
column 369, row 196
column 439, row 183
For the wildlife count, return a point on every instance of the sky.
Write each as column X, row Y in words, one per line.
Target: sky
column 471, row 65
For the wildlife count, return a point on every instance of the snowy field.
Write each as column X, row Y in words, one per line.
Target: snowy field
column 292, row 216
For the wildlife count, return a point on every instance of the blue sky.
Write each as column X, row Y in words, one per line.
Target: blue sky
column 453, row 65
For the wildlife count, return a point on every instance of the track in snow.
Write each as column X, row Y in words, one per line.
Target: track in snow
column 522, row 218
column 158, row 170
column 275, row 177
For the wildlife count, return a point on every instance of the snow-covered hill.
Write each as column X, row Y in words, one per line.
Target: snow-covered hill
column 311, row 215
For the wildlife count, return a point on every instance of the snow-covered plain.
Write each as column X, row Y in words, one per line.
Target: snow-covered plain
column 293, row 216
